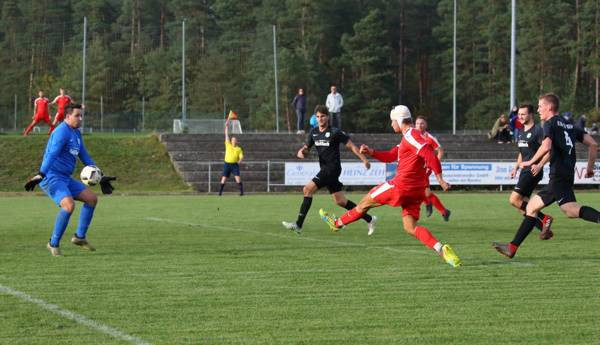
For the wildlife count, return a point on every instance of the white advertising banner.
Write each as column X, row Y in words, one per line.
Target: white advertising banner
column 353, row 174
column 498, row 173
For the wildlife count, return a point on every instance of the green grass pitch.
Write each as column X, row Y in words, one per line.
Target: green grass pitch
column 210, row 270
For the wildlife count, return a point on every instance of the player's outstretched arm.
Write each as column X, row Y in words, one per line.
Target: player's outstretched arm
column 384, row 156
column 445, row 186
column 302, row 152
column 592, row 153
column 536, row 168
column 513, row 173
column 350, row 145
column 544, row 148
column 227, row 130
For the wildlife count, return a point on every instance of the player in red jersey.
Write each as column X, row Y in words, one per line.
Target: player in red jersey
column 407, row 188
column 40, row 112
column 430, row 198
column 61, row 101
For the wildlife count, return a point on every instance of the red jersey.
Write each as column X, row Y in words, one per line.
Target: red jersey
column 414, row 157
column 41, row 106
column 62, row 102
column 432, row 141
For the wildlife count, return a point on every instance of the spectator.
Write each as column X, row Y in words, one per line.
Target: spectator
column 594, row 129
column 500, row 131
column 568, row 116
column 299, row 104
column 515, row 123
column 581, row 122
column 334, row 104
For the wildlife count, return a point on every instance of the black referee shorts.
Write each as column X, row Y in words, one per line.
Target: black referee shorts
column 527, row 182
column 559, row 189
column 329, row 179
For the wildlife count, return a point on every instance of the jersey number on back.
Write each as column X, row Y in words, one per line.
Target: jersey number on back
column 568, row 141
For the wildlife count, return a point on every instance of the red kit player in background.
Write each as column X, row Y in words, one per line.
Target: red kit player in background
column 40, row 113
column 407, row 188
column 61, row 101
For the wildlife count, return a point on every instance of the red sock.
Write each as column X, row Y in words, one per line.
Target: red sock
column 29, row 128
column 350, row 216
column 437, row 203
column 427, row 201
column 423, row 235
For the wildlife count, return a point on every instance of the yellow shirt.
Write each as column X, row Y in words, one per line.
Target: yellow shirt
column 233, row 154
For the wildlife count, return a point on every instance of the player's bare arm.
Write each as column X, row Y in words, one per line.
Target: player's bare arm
column 592, row 154
column 536, row 168
column 350, row 145
column 364, row 149
column 445, row 185
column 513, row 173
column 227, row 130
column 440, row 153
column 543, row 150
column 302, row 152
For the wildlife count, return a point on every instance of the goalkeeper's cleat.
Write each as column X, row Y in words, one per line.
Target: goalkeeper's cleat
column 546, row 233
column 450, row 256
column 329, row 219
column 446, row 215
column 428, row 210
column 371, row 226
column 506, row 249
column 55, row 251
column 83, row 243
column 292, row 226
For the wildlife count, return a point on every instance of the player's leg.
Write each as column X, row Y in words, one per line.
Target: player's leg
column 309, row 189
column 572, row 209
column 238, row 178
column 520, row 197
column 428, row 204
column 57, row 189
column 352, row 215
column 341, row 200
column 30, row 127
column 224, row 175
column 435, row 201
column 90, row 201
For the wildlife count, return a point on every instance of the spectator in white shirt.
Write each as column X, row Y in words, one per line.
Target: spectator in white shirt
column 334, row 104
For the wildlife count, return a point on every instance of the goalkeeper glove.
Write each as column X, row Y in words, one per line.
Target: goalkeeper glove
column 34, row 181
column 105, row 185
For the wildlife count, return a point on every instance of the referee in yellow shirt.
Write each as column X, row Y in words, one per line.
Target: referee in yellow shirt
column 233, row 157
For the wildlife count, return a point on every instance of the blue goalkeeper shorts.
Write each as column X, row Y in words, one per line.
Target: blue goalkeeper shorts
column 59, row 187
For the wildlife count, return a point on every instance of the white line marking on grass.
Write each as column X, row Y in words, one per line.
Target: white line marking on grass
column 73, row 316
column 302, row 237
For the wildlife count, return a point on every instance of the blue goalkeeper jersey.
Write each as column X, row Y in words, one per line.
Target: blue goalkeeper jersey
column 63, row 148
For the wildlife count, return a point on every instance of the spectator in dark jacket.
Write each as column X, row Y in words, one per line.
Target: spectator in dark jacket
column 299, row 104
column 581, row 122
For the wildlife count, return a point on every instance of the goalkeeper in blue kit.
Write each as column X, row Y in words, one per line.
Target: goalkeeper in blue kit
column 64, row 147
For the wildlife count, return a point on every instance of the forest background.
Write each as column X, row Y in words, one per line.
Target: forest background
column 378, row 52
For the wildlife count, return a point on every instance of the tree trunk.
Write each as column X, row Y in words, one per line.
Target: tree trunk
column 401, row 62
column 577, row 54
column 287, row 108
column 162, row 26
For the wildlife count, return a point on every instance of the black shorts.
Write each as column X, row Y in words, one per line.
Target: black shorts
column 559, row 189
column 329, row 179
column 527, row 182
column 231, row 168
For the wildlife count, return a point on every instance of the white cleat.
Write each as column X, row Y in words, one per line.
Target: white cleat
column 371, row 225
column 292, row 226
column 55, row 251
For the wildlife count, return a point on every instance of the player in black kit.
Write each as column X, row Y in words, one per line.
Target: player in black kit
column 529, row 140
column 327, row 140
column 559, row 140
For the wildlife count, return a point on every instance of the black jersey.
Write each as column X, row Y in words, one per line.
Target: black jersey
column 529, row 142
column 328, row 146
column 562, row 155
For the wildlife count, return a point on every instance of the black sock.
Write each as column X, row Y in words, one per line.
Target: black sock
column 589, row 214
column 523, row 206
column 524, row 230
column 304, row 210
column 350, row 205
column 540, row 216
column 241, row 188
column 221, row 190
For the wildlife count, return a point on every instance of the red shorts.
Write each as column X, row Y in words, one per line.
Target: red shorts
column 42, row 118
column 409, row 199
column 60, row 116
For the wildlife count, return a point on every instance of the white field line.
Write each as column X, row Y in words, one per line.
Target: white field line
column 73, row 316
column 288, row 237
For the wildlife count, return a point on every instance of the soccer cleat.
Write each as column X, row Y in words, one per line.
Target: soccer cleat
column 546, row 233
column 292, row 226
column 428, row 210
column 55, row 251
column 329, row 219
column 504, row 249
column 371, row 226
column 446, row 215
column 83, row 243
column 450, row 256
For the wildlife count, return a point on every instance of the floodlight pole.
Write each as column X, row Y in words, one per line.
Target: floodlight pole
column 183, row 101
column 83, row 73
column 143, row 113
column 15, row 113
column 513, row 54
column 454, row 75
column 276, row 84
